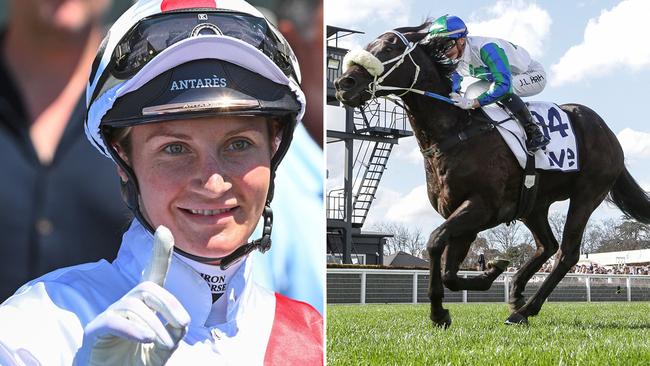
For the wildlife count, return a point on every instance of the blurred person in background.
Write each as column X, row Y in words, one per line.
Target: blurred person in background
column 301, row 22
column 289, row 266
column 54, row 213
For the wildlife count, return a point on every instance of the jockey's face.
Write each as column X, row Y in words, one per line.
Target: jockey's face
column 456, row 51
column 205, row 179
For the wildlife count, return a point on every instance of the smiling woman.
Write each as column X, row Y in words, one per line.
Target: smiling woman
column 205, row 179
column 197, row 106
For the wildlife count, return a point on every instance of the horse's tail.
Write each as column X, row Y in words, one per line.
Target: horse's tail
column 630, row 198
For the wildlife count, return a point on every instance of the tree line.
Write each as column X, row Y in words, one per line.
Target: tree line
column 515, row 242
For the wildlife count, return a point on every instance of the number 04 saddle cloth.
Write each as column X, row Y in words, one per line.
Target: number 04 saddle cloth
column 561, row 154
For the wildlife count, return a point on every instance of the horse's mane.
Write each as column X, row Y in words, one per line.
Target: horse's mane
column 434, row 47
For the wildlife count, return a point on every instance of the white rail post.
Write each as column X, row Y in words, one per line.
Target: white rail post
column 506, row 287
column 363, row 287
column 588, row 285
column 415, row 287
column 465, row 292
column 629, row 288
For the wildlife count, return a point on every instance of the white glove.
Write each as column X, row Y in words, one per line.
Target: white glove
column 462, row 102
column 129, row 332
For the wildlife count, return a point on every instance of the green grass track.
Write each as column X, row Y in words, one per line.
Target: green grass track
column 562, row 334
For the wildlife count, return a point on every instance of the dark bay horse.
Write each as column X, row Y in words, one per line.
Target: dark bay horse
column 475, row 185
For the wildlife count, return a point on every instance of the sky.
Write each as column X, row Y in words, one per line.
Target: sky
column 596, row 53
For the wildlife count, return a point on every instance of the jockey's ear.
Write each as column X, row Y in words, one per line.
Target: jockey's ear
column 460, row 43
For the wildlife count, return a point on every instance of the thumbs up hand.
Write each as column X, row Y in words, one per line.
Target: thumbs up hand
column 129, row 332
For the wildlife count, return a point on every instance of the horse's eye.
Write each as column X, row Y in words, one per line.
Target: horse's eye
column 388, row 49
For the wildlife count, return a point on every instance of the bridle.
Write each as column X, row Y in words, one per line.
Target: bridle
column 376, row 84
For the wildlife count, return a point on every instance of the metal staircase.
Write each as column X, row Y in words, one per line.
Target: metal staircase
column 383, row 123
column 370, row 181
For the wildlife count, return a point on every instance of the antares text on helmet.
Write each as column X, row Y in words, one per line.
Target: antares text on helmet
column 213, row 82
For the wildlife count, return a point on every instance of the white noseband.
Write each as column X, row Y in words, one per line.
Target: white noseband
column 364, row 59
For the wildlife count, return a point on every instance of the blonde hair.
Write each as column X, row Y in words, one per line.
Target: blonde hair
column 120, row 137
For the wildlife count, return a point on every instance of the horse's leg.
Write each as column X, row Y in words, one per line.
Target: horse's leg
column 464, row 221
column 579, row 212
column 455, row 255
column 547, row 245
column 439, row 315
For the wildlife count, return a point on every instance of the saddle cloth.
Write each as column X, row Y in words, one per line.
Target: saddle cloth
column 561, row 154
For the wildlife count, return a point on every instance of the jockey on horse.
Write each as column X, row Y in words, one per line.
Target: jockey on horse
column 510, row 69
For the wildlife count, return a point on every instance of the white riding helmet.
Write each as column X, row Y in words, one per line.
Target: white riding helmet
column 165, row 60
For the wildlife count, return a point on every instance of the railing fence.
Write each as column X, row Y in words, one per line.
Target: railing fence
column 362, row 286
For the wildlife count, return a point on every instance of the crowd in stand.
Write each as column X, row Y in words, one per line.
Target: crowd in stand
column 594, row 268
column 617, row 269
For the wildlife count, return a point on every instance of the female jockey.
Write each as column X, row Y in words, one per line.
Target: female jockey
column 508, row 67
column 196, row 104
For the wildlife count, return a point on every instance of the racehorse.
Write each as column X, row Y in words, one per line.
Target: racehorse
column 475, row 184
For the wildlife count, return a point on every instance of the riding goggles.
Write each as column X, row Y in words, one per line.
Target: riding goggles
column 156, row 33
column 449, row 45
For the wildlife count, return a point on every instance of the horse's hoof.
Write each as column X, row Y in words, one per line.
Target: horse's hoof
column 517, row 304
column 500, row 264
column 516, row 319
column 443, row 320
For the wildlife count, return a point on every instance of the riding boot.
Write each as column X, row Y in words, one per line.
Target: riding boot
column 535, row 139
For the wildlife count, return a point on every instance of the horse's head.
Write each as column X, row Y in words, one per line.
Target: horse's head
column 393, row 63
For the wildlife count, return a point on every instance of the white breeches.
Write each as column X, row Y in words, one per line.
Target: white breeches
column 531, row 82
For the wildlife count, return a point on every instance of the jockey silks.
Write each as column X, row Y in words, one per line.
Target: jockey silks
column 497, row 61
column 216, row 278
column 45, row 319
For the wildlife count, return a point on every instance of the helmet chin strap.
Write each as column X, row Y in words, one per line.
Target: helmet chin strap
column 263, row 244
